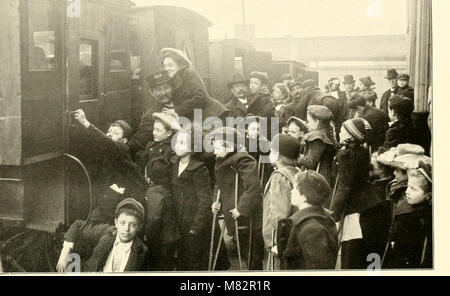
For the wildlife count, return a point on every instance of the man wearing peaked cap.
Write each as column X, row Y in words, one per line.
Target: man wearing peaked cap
column 350, row 92
column 404, row 88
column 392, row 77
column 161, row 90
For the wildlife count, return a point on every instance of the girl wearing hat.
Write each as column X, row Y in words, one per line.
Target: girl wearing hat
column 260, row 94
column 189, row 91
column 161, row 231
column 366, row 90
column 320, row 143
column 360, row 211
column 410, row 244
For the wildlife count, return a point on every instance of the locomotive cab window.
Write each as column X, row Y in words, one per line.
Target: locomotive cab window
column 41, row 36
column 88, row 67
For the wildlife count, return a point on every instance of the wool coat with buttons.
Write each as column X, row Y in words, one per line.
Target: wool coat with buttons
column 249, row 189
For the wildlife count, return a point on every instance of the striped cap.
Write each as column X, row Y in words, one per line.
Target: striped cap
column 357, row 128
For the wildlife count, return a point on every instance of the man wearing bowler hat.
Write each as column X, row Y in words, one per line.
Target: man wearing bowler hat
column 392, row 77
column 242, row 103
column 403, row 86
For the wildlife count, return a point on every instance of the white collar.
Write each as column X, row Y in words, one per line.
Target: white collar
column 124, row 245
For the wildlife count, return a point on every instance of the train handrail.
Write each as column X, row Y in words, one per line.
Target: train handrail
column 88, row 177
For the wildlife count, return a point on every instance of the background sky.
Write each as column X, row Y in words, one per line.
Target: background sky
column 299, row 18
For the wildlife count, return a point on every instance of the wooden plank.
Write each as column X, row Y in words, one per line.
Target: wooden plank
column 10, row 84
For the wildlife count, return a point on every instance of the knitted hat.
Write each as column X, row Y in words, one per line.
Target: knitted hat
column 169, row 118
column 320, row 112
column 178, row 55
column 262, row 76
column 314, row 186
column 134, row 204
column 286, row 145
column 127, row 130
column 357, row 128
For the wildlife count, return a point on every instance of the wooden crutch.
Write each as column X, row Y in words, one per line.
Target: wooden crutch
column 222, row 230
column 211, row 246
column 270, row 257
column 236, row 225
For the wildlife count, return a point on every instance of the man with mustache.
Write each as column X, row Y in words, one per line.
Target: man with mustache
column 161, row 90
column 242, row 103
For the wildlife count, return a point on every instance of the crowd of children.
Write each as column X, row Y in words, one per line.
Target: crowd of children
column 322, row 193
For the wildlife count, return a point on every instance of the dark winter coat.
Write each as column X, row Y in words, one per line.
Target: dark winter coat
column 155, row 160
column 189, row 92
column 384, row 103
column 352, row 192
column 406, row 91
column 319, row 149
column 314, row 96
column 379, row 121
column 413, row 234
column 308, row 240
column 99, row 241
column 258, row 104
column 113, row 165
column 369, row 95
column 193, row 198
column 399, row 132
column 249, row 190
column 144, row 132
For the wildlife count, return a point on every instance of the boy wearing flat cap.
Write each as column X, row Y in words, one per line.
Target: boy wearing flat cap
column 232, row 161
column 112, row 248
column 277, row 194
column 308, row 239
column 118, row 176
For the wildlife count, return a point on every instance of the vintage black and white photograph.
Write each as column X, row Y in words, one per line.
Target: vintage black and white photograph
column 216, row 136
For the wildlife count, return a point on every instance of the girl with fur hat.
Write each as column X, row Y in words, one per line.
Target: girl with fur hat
column 189, row 91
column 410, row 244
column 360, row 211
column 319, row 144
